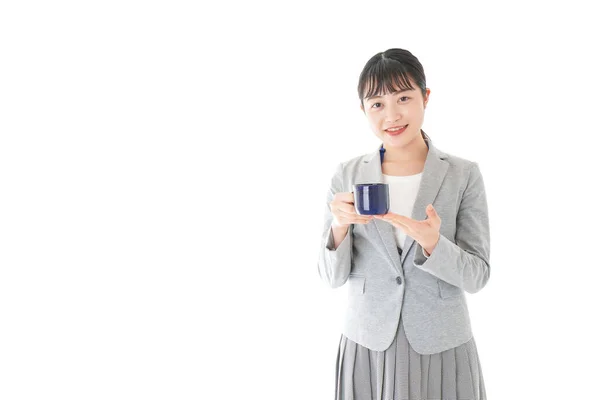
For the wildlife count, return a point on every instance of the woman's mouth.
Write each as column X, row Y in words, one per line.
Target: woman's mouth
column 396, row 131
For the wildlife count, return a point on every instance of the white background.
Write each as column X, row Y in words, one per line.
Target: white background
column 163, row 171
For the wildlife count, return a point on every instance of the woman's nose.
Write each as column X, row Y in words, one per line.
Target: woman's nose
column 393, row 118
column 393, row 115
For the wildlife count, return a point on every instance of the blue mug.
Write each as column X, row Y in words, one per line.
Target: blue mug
column 371, row 198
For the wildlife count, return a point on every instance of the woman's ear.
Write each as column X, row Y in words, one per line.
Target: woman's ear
column 426, row 99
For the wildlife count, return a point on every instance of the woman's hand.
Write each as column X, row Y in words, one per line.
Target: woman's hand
column 344, row 214
column 426, row 232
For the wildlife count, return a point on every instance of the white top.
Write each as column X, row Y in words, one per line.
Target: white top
column 403, row 193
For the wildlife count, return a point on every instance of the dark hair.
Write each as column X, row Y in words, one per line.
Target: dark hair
column 389, row 70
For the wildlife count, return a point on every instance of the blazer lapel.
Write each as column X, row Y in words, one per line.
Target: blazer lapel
column 434, row 172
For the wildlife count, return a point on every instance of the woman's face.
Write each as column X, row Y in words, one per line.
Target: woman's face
column 396, row 109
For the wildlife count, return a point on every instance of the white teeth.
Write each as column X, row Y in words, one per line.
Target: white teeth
column 395, row 129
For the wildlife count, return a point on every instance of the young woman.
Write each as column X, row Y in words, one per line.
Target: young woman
column 407, row 332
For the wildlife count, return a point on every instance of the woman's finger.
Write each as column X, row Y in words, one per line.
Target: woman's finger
column 397, row 222
column 350, row 218
column 350, row 212
column 399, row 226
column 345, row 207
column 354, row 221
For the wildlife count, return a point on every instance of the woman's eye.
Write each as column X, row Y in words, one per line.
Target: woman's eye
column 403, row 97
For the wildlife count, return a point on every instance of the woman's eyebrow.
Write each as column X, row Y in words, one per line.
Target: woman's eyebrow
column 397, row 91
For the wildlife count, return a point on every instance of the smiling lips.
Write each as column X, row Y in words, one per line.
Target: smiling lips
column 395, row 130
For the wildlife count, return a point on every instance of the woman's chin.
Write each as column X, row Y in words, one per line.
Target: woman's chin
column 395, row 139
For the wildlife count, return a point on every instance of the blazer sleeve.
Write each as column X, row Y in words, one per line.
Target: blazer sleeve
column 465, row 264
column 334, row 264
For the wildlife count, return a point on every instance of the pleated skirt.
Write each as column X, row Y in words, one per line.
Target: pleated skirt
column 400, row 373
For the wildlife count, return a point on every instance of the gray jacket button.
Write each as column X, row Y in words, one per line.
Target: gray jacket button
column 399, row 280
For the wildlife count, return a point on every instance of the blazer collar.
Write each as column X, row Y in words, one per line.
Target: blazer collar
column 434, row 171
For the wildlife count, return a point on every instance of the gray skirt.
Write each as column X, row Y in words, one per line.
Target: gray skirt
column 400, row 373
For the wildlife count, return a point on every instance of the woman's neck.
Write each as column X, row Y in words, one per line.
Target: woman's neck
column 414, row 152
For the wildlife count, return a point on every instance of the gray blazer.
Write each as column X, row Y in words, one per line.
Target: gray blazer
column 383, row 280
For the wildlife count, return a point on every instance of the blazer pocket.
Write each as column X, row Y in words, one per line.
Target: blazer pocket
column 356, row 284
column 447, row 290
